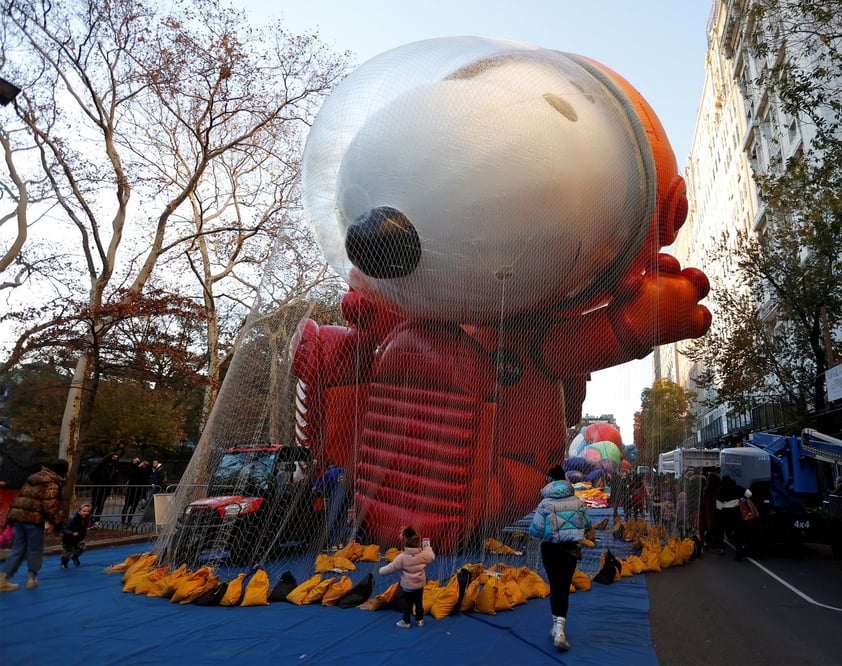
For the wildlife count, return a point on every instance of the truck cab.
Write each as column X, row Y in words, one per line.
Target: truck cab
column 791, row 479
column 253, row 508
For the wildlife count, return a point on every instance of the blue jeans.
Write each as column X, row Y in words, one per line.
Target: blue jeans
column 29, row 544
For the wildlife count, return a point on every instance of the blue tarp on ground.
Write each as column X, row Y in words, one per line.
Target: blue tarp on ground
column 82, row 616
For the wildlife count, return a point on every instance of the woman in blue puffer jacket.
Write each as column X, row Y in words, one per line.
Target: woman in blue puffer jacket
column 560, row 522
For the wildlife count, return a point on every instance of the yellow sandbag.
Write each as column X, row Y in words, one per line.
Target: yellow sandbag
column 652, row 560
column 148, row 579
column 531, row 584
column 385, row 598
column 234, row 593
column 688, row 547
column 499, row 548
column 324, row 563
column 125, row 564
column 487, row 598
column 572, row 588
column 210, row 583
column 667, row 558
column 581, row 580
column 133, row 580
column 510, row 590
column 391, row 554
column 299, row 594
column 431, row 590
column 371, row 553
column 317, row 592
column 143, row 563
column 635, row 564
column 165, row 587
column 336, row 591
column 470, row 597
column 188, row 585
column 257, row 590
column 446, row 599
column 343, row 563
column 476, row 569
column 625, row 569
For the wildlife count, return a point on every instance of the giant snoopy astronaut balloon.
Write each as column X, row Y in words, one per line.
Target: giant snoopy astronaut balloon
column 497, row 210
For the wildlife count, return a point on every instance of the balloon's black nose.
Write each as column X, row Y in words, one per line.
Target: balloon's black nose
column 382, row 243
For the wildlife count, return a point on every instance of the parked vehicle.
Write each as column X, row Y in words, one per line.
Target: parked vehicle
column 680, row 461
column 792, row 480
column 253, row 508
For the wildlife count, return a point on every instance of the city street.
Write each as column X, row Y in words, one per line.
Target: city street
column 784, row 608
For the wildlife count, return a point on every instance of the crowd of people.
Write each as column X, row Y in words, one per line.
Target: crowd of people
column 38, row 510
column 702, row 505
column 139, row 484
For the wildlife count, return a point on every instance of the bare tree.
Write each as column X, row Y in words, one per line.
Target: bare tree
column 157, row 134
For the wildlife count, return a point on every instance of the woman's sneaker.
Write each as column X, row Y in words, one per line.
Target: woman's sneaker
column 403, row 625
column 420, row 622
column 32, row 583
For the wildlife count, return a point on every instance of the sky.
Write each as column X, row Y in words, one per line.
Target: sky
column 659, row 46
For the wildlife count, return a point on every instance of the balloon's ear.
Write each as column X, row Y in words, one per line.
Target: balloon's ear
column 673, row 211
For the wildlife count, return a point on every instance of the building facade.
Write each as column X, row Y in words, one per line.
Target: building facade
column 741, row 128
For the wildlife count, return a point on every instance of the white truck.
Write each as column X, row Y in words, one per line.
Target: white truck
column 679, row 461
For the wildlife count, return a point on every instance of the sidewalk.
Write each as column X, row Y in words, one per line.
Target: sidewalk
column 102, row 537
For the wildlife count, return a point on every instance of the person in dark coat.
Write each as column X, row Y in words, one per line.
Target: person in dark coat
column 38, row 508
column 728, row 504
column 103, row 477
column 155, row 482
column 73, row 536
column 332, row 486
column 138, row 483
column 619, row 496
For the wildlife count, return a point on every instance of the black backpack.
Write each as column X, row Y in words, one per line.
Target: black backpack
column 609, row 569
column 214, row 596
column 357, row 594
column 283, row 587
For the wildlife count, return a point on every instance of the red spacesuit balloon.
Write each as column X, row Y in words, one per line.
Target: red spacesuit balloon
column 497, row 210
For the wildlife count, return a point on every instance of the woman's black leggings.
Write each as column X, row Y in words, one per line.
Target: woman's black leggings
column 559, row 563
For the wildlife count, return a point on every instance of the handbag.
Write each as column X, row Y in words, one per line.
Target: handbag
column 748, row 511
column 7, row 536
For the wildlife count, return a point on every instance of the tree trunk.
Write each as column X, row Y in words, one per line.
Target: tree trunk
column 69, row 435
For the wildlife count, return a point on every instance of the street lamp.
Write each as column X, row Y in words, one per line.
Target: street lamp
column 8, row 91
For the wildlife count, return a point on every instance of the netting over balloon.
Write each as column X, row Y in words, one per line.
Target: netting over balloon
column 497, row 211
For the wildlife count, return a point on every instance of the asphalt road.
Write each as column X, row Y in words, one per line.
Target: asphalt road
column 779, row 610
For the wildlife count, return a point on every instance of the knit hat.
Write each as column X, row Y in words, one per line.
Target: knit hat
column 59, row 466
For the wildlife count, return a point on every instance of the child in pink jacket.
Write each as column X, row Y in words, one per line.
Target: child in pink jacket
column 411, row 563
